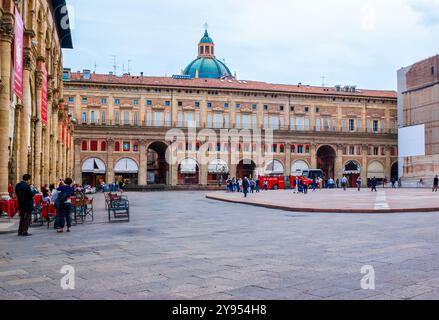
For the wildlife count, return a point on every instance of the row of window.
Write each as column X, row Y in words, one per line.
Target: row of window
column 117, row 102
column 94, row 145
column 127, row 146
column 242, row 121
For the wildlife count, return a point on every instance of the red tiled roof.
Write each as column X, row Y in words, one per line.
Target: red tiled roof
column 227, row 84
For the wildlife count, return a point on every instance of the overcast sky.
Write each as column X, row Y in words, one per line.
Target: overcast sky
column 349, row 42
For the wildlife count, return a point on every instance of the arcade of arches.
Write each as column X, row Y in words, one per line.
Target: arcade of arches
column 148, row 166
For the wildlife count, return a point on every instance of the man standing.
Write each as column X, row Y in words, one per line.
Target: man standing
column 25, row 194
column 373, row 184
column 359, row 183
column 435, row 183
column 245, row 186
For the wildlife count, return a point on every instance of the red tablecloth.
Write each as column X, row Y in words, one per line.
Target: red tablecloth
column 47, row 209
column 10, row 207
column 38, row 199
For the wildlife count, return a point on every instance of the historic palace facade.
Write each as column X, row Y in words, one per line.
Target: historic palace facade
column 418, row 89
column 123, row 126
column 35, row 129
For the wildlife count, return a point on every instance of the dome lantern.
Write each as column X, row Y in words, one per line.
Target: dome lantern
column 206, row 47
column 206, row 65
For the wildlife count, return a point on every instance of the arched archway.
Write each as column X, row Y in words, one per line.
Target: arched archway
column 218, row 171
column 274, row 168
column 298, row 168
column 394, row 172
column 375, row 169
column 158, row 168
column 127, row 171
column 93, row 172
column 352, row 170
column 246, row 168
column 188, row 172
column 326, row 161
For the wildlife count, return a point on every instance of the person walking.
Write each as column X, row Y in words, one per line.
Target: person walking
column 25, row 192
column 314, row 184
column 265, row 185
column 245, row 186
column 252, row 186
column 373, row 184
column 359, row 183
column 257, row 185
column 344, row 183
column 296, row 185
column 65, row 205
column 435, row 183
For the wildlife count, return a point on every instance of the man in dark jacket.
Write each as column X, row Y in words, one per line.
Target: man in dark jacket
column 25, row 194
column 245, row 186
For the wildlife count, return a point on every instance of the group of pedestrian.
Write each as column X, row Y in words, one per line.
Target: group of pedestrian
column 58, row 196
column 240, row 185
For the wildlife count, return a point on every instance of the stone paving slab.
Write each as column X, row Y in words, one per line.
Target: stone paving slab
column 339, row 201
column 205, row 249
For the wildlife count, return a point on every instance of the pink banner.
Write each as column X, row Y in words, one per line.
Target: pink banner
column 18, row 55
column 44, row 95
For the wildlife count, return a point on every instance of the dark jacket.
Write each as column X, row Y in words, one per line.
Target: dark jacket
column 245, row 184
column 65, row 192
column 25, row 197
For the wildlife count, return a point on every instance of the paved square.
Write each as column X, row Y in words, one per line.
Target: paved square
column 180, row 245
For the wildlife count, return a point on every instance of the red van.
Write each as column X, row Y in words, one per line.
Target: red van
column 274, row 182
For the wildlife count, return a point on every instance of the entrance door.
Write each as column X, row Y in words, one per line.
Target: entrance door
column 245, row 168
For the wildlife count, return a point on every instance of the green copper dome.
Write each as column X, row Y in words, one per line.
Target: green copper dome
column 207, row 68
column 206, row 38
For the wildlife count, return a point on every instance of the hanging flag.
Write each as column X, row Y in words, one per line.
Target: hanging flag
column 44, row 94
column 18, row 55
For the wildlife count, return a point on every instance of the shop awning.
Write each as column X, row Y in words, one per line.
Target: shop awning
column 188, row 166
column 94, row 165
column 218, row 166
column 126, row 165
column 274, row 167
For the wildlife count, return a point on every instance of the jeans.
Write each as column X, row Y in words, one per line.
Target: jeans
column 65, row 215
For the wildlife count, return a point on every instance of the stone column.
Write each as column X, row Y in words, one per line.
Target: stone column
column 6, row 37
column 38, row 133
column 174, row 174
column 26, row 114
column 143, row 169
column 288, row 159
column 58, row 162
column 16, row 146
column 110, row 161
column 53, row 145
column 388, row 169
column 313, row 156
column 77, row 162
column 364, row 166
column 203, row 174
column 339, row 162
column 46, row 138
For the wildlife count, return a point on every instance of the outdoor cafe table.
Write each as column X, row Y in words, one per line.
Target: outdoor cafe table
column 10, row 207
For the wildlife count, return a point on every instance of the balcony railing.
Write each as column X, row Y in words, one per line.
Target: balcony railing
column 179, row 124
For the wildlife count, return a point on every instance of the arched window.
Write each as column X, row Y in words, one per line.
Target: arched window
column 84, row 146
column 117, row 146
column 103, row 146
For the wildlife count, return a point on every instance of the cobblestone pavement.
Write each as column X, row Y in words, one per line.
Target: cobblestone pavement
column 180, row 245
